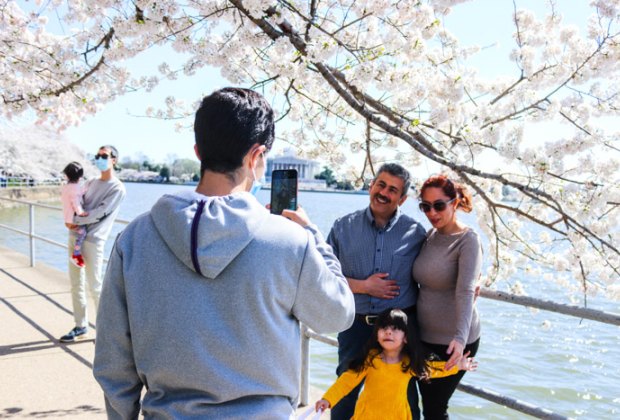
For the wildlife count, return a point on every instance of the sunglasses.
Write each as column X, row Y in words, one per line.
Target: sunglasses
column 102, row 156
column 438, row 205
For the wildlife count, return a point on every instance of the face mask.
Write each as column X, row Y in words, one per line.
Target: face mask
column 256, row 185
column 102, row 164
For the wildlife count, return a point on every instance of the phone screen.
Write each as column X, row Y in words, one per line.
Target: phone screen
column 283, row 190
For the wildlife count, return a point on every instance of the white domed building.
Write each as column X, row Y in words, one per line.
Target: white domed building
column 306, row 169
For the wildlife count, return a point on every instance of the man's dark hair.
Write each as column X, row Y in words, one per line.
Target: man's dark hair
column 74, row 171
column 112, row 150
column 228, row 123
column 396, row 170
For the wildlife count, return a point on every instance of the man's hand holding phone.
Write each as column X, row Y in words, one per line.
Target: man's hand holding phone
column 298, row 216
column 284, row 196
column 283, row 190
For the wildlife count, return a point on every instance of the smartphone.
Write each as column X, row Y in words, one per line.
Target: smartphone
column 283, row 190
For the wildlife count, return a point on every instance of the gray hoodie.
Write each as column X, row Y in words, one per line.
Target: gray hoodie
column 224, row 343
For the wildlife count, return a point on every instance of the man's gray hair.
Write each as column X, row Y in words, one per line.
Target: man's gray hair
column 396, row 170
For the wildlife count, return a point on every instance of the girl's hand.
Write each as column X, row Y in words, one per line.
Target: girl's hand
column 455, row 349
column 321, row 405
column 467, row 363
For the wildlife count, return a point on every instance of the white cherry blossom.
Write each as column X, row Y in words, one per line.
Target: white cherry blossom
column 397, row 67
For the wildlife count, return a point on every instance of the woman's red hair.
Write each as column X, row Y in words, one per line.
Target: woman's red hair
column 451, row 189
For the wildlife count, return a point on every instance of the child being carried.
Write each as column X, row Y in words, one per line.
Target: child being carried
column 72, row 194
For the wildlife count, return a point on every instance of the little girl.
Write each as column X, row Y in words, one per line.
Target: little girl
column 390, row 359
column 71, row 197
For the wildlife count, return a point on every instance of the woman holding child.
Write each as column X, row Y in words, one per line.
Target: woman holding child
column 446, row 270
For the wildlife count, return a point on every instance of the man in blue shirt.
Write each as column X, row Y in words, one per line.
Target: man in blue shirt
column 376, row 247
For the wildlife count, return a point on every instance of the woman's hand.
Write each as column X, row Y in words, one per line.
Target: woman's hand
column 321, row 405
column 455, row 350
column 467, row 363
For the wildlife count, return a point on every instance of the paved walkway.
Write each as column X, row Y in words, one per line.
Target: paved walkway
column 40, row 377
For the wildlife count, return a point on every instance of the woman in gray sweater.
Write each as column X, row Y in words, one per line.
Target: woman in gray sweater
column 446, row 270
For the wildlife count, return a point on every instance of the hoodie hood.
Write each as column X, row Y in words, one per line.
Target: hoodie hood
column 208, row 233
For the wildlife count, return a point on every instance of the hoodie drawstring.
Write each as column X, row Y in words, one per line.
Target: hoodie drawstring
column 194, row 237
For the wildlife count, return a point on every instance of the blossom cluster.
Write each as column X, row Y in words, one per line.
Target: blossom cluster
column 335, row 67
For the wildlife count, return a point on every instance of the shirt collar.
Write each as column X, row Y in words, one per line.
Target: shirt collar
column 390, row 223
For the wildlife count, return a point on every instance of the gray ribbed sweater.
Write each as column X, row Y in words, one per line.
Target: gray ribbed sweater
column 447, row 269
column 102, row 200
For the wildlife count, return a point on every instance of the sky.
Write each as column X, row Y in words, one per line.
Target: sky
column 122, row 122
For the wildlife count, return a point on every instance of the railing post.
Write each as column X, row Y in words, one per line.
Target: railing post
column 305, row 366
column 31, row 235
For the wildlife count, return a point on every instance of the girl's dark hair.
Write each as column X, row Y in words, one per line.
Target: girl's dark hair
column 414, row 350
column 451, row 189
column 74, row 171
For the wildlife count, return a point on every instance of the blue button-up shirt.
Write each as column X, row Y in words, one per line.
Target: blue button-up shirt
column 364, row 249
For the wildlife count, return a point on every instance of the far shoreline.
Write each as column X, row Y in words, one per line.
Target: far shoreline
column 194, row 183
column 51, row 193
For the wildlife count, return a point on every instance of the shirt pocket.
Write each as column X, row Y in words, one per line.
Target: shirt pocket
column 401, row 268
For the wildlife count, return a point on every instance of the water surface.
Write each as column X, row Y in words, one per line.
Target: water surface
column 557, row 362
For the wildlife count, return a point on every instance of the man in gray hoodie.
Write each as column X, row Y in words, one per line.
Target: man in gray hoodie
column 204, row 295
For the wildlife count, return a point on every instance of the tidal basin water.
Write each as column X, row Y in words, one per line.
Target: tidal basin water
column 564, row 364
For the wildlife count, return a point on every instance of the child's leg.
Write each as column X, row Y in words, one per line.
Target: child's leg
column 81, row 235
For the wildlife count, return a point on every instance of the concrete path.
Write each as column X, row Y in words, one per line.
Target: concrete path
column 40, row 377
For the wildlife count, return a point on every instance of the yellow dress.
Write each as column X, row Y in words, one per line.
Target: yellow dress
column 384, row 395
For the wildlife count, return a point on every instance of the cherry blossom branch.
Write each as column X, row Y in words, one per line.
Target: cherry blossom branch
column 368, row 155
column 556, row 89
column 418, row 142
column 339, row 61
column 586, row 183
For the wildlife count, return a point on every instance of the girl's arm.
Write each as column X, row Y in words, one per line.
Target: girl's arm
column 467, row 363
column 76, row 193
column 438, row 369
column 77, row 206
column 343, row 385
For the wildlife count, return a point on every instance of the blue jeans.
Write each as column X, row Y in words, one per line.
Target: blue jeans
column 351, row 344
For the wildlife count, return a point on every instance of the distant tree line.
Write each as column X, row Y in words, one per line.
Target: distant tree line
column 330, row 179
column 179, row 168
